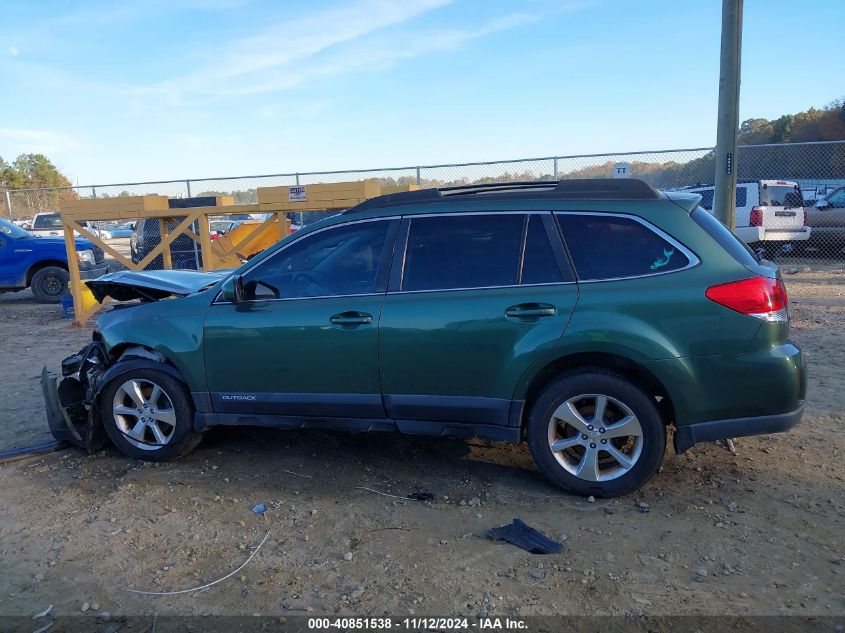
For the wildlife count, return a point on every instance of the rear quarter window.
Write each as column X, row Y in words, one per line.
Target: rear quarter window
column 725, row 238
column 612, row 247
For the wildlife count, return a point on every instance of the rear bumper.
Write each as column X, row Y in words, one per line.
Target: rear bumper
column 688, row 436
column 786, row 235
column 752, row 234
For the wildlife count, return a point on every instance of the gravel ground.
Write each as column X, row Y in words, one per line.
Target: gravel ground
column 759, row 532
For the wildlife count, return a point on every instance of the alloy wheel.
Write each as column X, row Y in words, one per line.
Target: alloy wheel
column 144, row 413
column 595, row 437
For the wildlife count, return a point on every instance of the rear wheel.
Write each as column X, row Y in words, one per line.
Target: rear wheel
column 149, row 415
column 595, row 433
column 49, row 284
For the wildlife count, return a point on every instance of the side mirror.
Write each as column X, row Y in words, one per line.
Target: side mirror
column 233, row 289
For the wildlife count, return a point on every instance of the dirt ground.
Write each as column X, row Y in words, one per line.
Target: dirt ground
column 760, row 532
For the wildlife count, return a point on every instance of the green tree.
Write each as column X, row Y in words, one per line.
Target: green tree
column 46, row 185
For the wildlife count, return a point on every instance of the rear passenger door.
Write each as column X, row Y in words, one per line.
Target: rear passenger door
column 473, row 300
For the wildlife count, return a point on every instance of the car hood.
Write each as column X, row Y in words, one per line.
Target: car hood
column 82, row 244
column 152, row 285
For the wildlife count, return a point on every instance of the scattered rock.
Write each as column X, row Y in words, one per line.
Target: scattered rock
column 85, row 607
column 539, row 574
column 347, row 556
column 591, row 499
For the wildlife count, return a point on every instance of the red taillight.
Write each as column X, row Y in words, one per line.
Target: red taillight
column 760, row 297
column 756, row 218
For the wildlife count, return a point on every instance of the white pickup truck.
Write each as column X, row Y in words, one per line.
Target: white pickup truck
column 769, row 213
column 47, row 224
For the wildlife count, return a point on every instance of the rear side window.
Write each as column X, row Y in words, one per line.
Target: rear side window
column 611, row 247
column 707, row 197
column 725, row 238
column 463, row 251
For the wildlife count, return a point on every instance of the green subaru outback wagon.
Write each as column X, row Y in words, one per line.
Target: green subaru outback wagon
column 585, row 317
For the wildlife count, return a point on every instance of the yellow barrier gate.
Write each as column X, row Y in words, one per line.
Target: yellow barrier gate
column 228, row 251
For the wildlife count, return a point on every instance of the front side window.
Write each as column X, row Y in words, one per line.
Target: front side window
column 463, row 251
column 611, row 247
column 338, row 261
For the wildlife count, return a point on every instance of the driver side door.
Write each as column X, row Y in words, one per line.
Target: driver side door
column 304, row 340
column 6, row 267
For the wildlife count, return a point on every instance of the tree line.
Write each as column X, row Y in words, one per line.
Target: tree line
column 754, row 161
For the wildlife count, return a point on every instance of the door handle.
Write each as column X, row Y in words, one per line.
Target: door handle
column 531, row 311
column 351, row 318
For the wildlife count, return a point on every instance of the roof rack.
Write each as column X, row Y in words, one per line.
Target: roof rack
column 574, row 189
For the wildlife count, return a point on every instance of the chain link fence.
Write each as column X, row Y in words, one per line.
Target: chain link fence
column 772, row 214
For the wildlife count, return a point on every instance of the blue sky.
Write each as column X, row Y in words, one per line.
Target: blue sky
column 161, row 89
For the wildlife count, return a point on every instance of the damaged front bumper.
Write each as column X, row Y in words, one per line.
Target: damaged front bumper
column 72, row 414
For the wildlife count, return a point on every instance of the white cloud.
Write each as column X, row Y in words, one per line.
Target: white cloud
column 13, row 51
column 283, row 47
column 20, row 140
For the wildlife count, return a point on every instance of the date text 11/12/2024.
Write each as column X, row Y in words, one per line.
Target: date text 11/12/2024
column 421, row 623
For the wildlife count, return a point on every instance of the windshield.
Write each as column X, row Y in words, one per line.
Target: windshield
column 781, row 196
column 13, row 231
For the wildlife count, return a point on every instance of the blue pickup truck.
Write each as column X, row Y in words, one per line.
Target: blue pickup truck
column 40, row 263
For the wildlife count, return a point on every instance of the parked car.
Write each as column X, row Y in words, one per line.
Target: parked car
column 115, row 230
column 769, row 213
column 40, row 263
column 827, row 219
column 583, row 317
column 221, row 227
column 184, row 252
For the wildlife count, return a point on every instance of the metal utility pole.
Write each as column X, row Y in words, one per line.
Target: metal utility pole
column 724, row 197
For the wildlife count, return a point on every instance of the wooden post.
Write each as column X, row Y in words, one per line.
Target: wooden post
column 165, row 255
column 205, row 242
column 73, row 270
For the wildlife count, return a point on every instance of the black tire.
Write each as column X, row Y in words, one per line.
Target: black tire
column 49, row 284
column 181, row 435
column 596, row 381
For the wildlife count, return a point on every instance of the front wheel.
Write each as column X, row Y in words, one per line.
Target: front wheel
column 49, row 284
column 595, row 433
column 149, row 415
